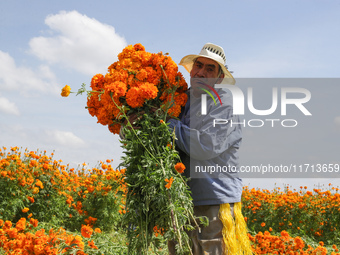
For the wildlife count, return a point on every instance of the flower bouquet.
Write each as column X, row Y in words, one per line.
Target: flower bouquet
column 148, row 87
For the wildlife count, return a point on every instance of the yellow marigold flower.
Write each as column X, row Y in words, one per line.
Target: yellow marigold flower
column 39, row 184
column 25, row 210
column 35, row 190
column 65, row 92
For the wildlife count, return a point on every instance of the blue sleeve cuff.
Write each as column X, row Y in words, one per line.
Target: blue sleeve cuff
column 172, row 123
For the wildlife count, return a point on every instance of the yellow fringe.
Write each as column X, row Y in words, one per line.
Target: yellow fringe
column 234, row 231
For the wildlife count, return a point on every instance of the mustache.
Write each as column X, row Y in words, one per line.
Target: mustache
column 200, row 81
column 204, row 82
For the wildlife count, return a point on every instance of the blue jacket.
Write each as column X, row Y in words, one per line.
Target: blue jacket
column 210, row 151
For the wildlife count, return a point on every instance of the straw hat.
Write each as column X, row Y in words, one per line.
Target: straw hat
column 213, row 52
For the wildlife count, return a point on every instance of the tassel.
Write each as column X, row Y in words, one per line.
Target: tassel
column 228, row 231
column 234, row 231
column 242, row 230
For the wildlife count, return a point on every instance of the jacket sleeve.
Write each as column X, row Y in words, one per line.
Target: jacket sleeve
column 208, row 136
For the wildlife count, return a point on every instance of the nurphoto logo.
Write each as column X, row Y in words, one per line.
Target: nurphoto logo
column 239, row 105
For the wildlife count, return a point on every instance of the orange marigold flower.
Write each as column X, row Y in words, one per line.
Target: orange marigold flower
column 90, row 221
column 92, row 245
column 25, row 210
column 299, row 244
column 8, row 224
column 180, row 167
column 34, row 222
column 35, row 190
column 31, row 199
column 263, row 224
column 97, row 230
column 117, row 88
column 38, row 249
column 86, row 231
column 157, row 231
column 21, row 224
column 39, row 184
column 136, row 96
column 169, row 182
column 65, row 92
column 139, row 47
column 114, row 128
column 12, row 233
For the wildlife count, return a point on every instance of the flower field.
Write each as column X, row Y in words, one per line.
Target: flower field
column 48, row 208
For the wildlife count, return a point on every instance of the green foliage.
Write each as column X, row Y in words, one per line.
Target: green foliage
column 100, row 194
column 154, row 204
column 314, row 215
column 53, row 193
column 12, row 198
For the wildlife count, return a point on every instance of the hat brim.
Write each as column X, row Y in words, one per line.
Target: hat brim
column 188, row 61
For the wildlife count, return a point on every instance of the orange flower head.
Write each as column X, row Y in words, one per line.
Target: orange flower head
column 39, row 184
column 65, row 92
column 169, row 182
column 97, row 230
column 86, row 231
column 34, row 222
column 21, row 224
column 25, row 210
column 137, row 78
column 180, row 167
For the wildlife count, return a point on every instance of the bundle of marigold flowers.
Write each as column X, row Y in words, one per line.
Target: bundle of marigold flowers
column 147, row 85
column 138, row 80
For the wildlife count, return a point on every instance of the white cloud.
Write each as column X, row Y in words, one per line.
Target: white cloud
column 82, row 43
column 23, row 79
column 8, row 107
column 64, row 138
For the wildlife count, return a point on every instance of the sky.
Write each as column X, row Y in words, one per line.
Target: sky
column 45, row 45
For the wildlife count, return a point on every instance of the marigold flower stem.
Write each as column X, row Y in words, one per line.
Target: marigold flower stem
column 172, row 94
column 125, row 116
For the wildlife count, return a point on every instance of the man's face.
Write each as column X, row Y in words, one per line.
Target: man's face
column 204, row 71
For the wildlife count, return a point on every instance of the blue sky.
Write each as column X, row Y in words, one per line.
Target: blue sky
column 47, row 44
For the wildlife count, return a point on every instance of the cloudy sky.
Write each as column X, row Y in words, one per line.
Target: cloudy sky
column 47, row 44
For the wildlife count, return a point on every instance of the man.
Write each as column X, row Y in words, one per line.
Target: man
column 209, row 150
